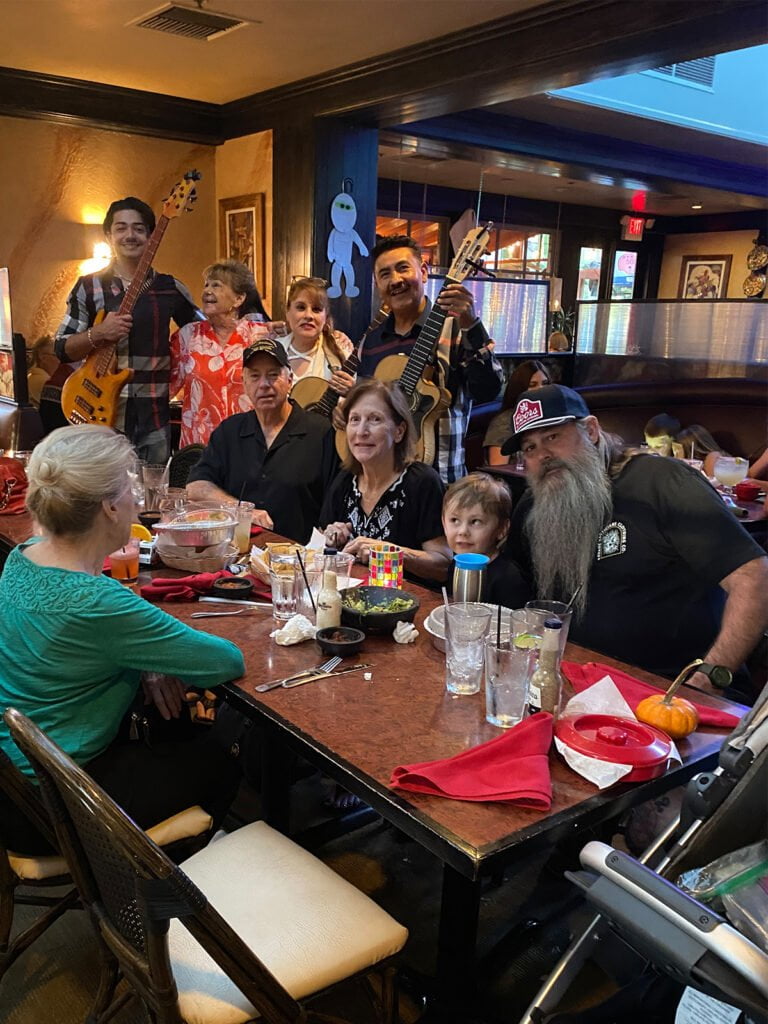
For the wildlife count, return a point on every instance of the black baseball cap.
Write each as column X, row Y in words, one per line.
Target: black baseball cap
column 544, row 407
column 268, row 347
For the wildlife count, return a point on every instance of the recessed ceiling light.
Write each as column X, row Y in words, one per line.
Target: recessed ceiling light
column 696, row 206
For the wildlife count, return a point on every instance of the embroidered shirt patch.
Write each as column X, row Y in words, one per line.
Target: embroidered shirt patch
column 612, row 541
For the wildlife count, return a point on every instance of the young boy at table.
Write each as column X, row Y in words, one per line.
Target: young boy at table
column 476, row 515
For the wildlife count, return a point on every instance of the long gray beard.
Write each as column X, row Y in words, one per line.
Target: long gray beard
column 569, row 510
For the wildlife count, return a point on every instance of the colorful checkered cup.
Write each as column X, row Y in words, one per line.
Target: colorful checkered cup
column 385, row 566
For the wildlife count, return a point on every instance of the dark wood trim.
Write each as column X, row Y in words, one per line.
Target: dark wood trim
column 545, row 47
column 108, row 107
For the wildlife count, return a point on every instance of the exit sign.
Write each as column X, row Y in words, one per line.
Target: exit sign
column 632, row 229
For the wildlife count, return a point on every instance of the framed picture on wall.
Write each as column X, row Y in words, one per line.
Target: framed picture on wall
column 704, row 277
column 241, row 232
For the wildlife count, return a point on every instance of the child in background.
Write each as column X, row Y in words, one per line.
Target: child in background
column 476, row 514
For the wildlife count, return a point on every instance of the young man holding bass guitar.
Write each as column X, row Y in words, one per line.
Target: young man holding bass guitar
column 467, row 373
column 142, row 338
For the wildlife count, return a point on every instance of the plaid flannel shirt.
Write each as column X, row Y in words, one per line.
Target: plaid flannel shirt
column 452, row 364
column 143, row 406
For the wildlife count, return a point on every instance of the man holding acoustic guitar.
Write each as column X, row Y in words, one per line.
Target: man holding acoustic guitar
column 464, row 372
column 137, row 402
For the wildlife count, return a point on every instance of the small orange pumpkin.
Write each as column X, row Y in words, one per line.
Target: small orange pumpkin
column 675, row 716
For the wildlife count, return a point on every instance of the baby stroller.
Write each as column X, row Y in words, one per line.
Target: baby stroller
column 660, row 930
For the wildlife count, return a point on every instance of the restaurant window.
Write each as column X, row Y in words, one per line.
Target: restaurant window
column 624, row 269
column 519, row 252
column 590, row 262
column 429, row 234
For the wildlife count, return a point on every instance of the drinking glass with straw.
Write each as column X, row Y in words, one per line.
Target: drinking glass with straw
column 303, row 587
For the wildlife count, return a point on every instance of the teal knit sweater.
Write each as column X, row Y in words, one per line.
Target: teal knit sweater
column 72, row 647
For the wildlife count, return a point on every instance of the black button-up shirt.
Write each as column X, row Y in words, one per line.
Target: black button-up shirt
column 288, row 479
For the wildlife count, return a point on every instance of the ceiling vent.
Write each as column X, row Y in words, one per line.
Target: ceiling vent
column 190, row 22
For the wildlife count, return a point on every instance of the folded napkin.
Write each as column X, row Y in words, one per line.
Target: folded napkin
column 185, row 588
column 514, row 767
column 633, row 691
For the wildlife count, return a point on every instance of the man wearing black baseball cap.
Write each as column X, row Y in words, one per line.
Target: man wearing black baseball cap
column 666, row 572
column 278, row 456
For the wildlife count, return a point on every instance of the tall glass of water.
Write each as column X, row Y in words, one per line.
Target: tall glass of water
column 466, row 626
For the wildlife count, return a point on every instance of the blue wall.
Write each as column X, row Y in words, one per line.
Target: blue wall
column 734, row 106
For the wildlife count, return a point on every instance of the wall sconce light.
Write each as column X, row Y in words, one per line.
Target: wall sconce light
column 102, row 254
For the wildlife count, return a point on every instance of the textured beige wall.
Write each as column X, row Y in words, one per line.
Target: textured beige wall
column 720, row 243
column 54, row 177
column 244, row 166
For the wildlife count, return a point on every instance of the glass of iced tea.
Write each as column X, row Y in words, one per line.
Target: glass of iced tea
column 124, row 563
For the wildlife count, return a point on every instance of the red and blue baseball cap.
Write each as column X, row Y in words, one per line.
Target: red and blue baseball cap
column 544, row 407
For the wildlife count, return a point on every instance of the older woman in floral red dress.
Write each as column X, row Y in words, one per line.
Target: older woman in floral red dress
column 207, row 355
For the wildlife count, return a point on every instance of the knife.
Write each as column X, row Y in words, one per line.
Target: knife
column 230, row 600
column 324, row 675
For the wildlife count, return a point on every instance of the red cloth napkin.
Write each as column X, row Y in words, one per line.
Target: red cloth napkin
column 185, row 588
column 633, row 691
column 256, row 530
column 514, row 767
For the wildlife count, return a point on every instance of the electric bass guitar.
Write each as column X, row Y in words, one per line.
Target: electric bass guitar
column 426, row 398
column 91, row 393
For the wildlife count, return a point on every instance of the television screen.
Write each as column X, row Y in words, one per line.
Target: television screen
column 515, row 312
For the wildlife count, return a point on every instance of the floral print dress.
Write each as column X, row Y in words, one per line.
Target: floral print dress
column 211, row 374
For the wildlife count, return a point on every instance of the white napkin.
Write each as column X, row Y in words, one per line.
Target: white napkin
column 296, row 629
column 602, row 698
column 405, row 633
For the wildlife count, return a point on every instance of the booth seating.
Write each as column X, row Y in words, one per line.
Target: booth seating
column 20, row 426
column 734, row 411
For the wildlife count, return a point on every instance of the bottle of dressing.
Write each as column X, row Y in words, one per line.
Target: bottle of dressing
column 328, row 602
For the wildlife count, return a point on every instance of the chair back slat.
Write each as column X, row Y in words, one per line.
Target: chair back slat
column 133, row 888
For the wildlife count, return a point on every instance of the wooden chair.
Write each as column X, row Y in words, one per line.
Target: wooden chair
column 181, row 834
column 182, row 464
column 37, row 872
column 289, row 927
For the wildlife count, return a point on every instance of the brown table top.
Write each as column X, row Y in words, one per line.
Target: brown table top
column 16, row 529
column 359, row 731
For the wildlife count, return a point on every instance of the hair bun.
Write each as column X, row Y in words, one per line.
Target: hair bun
column 47, row 471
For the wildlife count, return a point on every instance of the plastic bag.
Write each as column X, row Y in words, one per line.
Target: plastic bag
column 726, row 874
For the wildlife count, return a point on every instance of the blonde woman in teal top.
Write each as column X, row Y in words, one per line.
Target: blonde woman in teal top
column 75, row 646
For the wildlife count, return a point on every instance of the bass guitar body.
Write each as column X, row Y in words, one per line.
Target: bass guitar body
column 308, row 391
column 426, row 403
column 90, row 394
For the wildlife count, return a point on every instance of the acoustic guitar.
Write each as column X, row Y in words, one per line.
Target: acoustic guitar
column 315, row 394
column 427, row 399
column 91, row 393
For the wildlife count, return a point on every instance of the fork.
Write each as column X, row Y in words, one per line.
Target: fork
column 327, row 666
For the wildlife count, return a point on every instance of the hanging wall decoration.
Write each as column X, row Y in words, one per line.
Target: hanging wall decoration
column 341, row 242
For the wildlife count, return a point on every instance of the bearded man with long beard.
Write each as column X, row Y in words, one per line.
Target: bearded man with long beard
column 666, row 573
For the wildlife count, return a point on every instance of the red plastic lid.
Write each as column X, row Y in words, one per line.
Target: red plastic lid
column 611, row 738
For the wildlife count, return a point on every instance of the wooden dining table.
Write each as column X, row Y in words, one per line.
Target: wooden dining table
column 357, row 731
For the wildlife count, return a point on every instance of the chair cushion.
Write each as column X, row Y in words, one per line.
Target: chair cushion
column 36, row 869
column 309, row 926
column 192, row 821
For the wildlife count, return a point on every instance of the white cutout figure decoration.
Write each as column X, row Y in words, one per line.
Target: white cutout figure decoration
column 340, row 242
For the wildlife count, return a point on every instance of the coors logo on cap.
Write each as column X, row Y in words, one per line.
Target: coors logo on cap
column 526, row 412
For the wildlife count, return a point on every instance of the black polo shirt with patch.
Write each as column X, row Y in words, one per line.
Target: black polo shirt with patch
column 654, row 595
column 288, row 479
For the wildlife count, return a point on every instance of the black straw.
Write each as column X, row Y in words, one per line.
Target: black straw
column 242, row 492
column 306, row 581
column 498, row 625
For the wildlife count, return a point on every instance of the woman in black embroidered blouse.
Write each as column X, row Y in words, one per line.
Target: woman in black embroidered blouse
column 381, row 493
